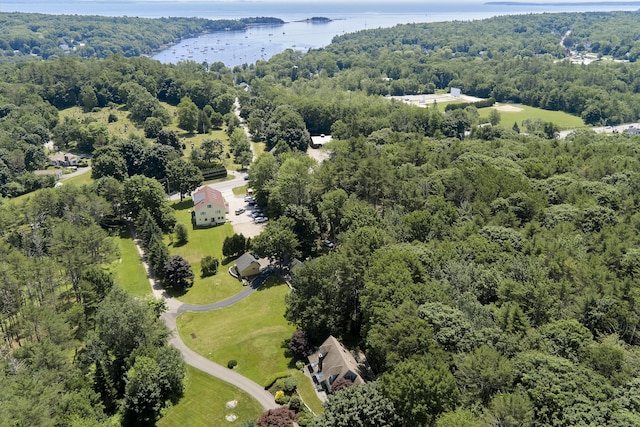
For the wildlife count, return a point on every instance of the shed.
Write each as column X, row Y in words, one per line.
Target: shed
column 247, row 265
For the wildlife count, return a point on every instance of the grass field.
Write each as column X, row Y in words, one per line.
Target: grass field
column 252, row 331
column 82, row 179
column 507, row 118
column 203, row 242
column 258, row 148
column 130, row 272
column 307, row 392
column 239, row 191
column 204, row 403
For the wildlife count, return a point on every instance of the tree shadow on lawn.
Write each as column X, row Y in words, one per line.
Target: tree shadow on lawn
column 183, row 205
column 291, row 364
column 173, row 244
column 271, row 282
column 175, row 292
column 124, row 232
column 229, row 260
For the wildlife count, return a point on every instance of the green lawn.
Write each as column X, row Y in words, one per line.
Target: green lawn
column 563, row 120
column 240, row 191
column 203, row 242
column 258, row 148
column 204, row 403
column 307, row 392
column 82, row 179
column 130, row 272
column 252, row 331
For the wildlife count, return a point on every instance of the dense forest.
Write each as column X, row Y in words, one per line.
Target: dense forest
column 489, row 273
column 510, row 59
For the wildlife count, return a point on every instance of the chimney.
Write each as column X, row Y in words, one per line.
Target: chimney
column 320, row 360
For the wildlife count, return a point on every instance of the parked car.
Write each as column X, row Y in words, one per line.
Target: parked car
column 240, row 210
column 261, row 219
column 246, row 177
column 249, row 199
column 328, row 243
column 256, row 214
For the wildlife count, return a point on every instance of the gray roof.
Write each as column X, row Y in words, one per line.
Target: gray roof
column 337, row 363
column 244, row 261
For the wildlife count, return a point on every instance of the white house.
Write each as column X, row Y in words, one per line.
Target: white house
column 209, row 207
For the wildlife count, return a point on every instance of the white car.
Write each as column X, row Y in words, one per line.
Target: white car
column 240, row 210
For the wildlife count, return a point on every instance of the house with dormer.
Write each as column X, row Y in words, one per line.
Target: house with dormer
column 331, row 362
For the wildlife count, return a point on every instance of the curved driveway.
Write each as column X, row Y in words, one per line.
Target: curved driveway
column 175, row 307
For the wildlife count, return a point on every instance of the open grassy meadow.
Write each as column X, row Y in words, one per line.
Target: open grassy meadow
column 124, row 127
column 204, row 403
column 129, row 271
column 252, row 331
column 203, row 242
column 522, row 112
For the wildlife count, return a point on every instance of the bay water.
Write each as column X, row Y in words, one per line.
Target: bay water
column 299, row 33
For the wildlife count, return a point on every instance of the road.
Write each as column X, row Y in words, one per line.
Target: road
column 79, row 171
column 603, row 129
column 175, row 307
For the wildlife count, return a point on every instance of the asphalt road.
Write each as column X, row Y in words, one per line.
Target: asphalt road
column 175, row 307
column 225, row 374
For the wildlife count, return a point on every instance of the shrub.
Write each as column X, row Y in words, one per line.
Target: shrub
column 281, row 398
column 273, row 378
column 209, row 266
column 280, row 417
column 295, row 403
column 232, row 363
column 287, row 384
column 181, row 232
column 300, row 344
column 340, row 384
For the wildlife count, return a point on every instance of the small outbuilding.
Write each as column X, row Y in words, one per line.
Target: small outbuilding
column 246, row 266
column 319, row 140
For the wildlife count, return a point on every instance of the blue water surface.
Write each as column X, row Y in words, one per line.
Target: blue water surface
column 260, row 43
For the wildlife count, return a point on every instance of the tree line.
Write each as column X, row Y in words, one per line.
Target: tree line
column 77, row 349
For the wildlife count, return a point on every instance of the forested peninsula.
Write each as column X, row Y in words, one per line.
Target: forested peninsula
column 478, row 256
column 38, row 36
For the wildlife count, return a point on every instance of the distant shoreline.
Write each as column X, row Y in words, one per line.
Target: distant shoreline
column 586, row 3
